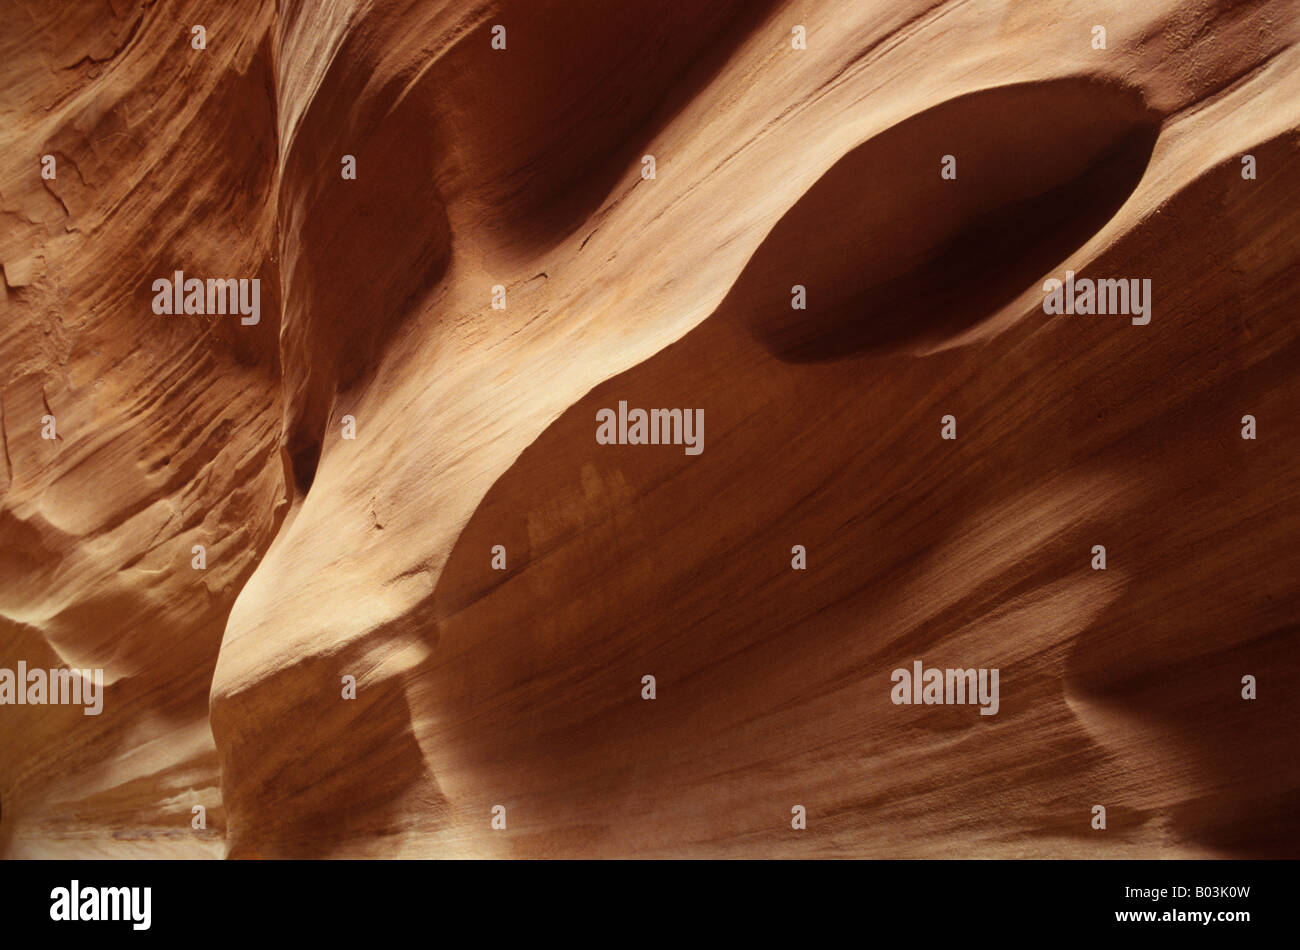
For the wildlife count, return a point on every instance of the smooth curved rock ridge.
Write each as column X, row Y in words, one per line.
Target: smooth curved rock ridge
column 330, row 557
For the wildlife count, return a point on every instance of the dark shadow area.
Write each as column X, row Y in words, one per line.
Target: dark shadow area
column 359, row 253
column 356, row 774
column 304, row 456
column 562, row 117
column 906, row 257
column 1192, row 711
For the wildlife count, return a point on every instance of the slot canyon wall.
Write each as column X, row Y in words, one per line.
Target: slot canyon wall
column 438, row 334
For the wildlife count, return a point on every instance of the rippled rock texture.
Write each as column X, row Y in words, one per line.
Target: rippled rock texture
column 438, row 334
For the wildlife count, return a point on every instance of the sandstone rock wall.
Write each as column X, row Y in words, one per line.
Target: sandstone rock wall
column 370, row 557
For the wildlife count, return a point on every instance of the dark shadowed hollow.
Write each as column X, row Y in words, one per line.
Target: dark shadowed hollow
column 907, row 257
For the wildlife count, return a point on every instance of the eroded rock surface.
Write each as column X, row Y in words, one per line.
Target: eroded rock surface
column 329, row 557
